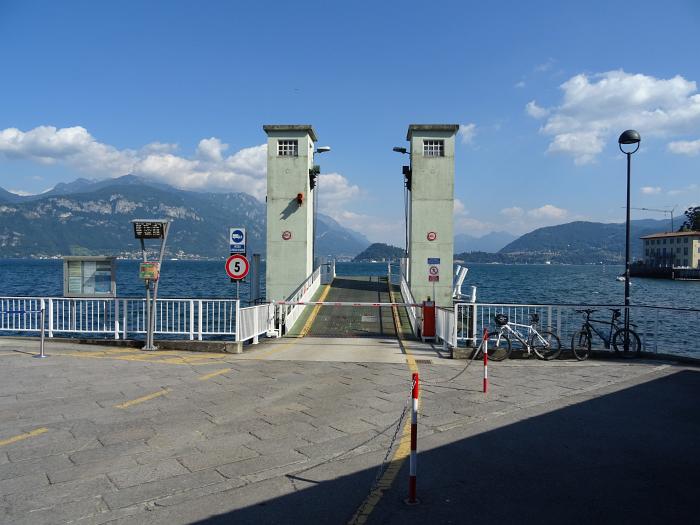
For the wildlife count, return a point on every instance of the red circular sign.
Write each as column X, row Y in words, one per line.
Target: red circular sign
column 237, row 266
column 434, row 270
column 431, row 236
column 286, row 235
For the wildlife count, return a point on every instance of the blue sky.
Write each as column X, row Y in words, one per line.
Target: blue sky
column 179, row 91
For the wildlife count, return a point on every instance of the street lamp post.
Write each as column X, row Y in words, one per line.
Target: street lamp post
column 407, row 187
column 313, row 174
column 629, row 137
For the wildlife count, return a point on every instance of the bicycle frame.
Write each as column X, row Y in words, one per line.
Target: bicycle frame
column 530, row 330
column 588, row 325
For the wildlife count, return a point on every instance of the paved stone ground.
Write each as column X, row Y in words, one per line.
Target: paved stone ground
column 122, row 436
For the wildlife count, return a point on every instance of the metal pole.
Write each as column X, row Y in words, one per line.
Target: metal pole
column 413, row 458
column 152, row 319
column 42, row 332
column 627, row 259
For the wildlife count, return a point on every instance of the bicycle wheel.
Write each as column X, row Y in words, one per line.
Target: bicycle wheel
column 499, row 346
column 618, row 343
column 581, row 345
column 546, row 345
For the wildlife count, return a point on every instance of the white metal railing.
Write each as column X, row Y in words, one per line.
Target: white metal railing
column 414, row 313
column 191, row 318
column 290, row 313
column 662, row 330
column 255, row 321
column 445, row 326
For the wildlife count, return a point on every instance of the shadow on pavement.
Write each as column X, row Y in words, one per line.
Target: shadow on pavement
column 632, row 456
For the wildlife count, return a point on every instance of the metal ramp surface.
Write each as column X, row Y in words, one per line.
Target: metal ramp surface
column 352, row 321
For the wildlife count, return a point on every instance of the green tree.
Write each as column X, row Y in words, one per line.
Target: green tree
column 692, row 221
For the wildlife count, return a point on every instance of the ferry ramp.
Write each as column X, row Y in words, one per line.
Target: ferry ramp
column 354, row 321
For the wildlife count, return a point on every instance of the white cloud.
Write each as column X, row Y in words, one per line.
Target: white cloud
column 535, row 111
column 548, row 211
column 209, row 169
column 520, row 220
column 545, row 66
column 520, row 84
column 458, row 208
column 685, row 147
column 596, row 108
column 376, row 229
column 467, row 132
column 21, row 193
column 513, row 212
column 690, row 189
column 650, row 190
column 335, row 192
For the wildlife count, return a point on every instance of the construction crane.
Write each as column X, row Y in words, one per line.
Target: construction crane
column 670, row 212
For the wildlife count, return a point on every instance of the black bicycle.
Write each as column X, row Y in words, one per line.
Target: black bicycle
column 616, row 336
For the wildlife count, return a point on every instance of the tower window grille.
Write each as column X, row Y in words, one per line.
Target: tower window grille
column 288, row 148
column 434, row 148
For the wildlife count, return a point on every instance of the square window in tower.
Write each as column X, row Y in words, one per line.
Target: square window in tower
column 433, row 148
column 288, row 148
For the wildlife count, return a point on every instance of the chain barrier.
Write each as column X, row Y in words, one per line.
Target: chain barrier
column 475, row 354
column 380, row 471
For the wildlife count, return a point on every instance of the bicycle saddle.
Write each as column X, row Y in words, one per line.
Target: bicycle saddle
column 586, row 311
column 616, row 312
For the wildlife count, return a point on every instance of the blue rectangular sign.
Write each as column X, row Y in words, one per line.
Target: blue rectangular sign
column 237, row 248
column 433, row 260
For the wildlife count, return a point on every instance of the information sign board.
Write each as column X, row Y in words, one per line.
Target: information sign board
column 149, row 271
column 149, row 229
column 237, row 240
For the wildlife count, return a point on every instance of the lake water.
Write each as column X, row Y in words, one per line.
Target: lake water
column 496, row 283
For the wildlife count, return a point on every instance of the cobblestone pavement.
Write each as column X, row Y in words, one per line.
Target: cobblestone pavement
column 98, row 435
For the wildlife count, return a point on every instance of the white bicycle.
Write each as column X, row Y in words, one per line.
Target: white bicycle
column 545, row 344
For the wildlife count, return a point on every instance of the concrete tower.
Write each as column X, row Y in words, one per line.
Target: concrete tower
column 290, row 205
column 431, row 203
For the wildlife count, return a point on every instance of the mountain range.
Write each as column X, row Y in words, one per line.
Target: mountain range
column 93, row 217
column 578, row 242
column 491, row 242
column 88, row 217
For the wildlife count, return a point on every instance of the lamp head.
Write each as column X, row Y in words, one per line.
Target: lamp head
column 630, row 136
column 398, row 149
column 323, row 149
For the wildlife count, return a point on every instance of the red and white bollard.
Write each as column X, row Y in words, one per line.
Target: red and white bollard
column 412, row 499
column 486, row 360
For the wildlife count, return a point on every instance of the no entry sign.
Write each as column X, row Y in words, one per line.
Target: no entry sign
column 237, row 267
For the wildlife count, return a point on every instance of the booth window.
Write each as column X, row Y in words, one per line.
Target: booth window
column 288, row 148
column 434, row 148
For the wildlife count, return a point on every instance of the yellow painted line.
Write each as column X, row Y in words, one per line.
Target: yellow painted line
column 214, row 374
column 404, row 449
column 190, row 361
column 314, row 312
column 26, row 435
column 143, row 399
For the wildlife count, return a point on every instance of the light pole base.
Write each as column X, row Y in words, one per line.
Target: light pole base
column 39, row 356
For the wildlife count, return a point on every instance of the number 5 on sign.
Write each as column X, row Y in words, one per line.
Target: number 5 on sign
column 237, row 267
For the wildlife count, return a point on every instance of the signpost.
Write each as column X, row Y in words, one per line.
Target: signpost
column 237, row 240
column 149, row 271
column 433, row 271
column 237, row 267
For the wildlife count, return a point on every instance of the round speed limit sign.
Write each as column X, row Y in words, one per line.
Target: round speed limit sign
column 237, row 267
